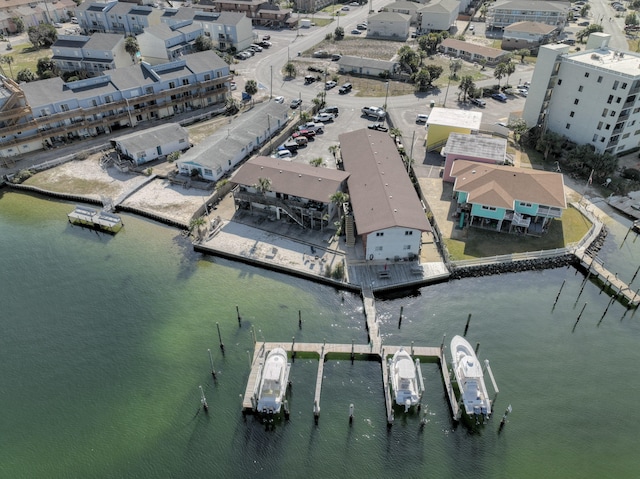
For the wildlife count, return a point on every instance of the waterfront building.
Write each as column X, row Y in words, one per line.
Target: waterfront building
column 589, row 96
column 45, row 113
column 144, row 146
column 478, row 148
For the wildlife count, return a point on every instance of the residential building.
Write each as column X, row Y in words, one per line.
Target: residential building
column 45, row 113
column 506, row 12
column 116, row 17
column 437, row 16
column 92, row 55
column 389, row 25
column 404, row 7
column 529, row 35
column 310, row 6
column 590, row 97
column 297, row 191
column 478, row 148
column 33, row 13
column 260, row 12
column 147, row 145
column 367, row 66
column 161, row 43
column 219, row 154
column 471, row 52
column 507, row 199
column 386, row 210
column 444, row 121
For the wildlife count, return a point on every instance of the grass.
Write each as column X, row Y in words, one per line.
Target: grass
column 25, row 56
column 481, row 243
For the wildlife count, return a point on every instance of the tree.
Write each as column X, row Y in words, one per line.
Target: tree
column 422, row 79
column 263, row 186
column 509, row 69
column 197, row 224
column 523, row 52
column 519, row 128
column 454, row 68
column 483, row 11
column 339, row 198
column 131, row 46
column 582, row 34
column 585, row 10
column 333, row 149
column 203, row 43
column 26, row 75
column 499, row 72
column 251, row 87
column 290, row 70
column 42, row 36
column 44, row 65
column 483, row 63
column 232, row 106
column 435, row 71
column 19, row 24
column 339, row 33
column 549, row 144
column 395, row 132
column 409, row 59
column 433, row 40
column 631, row 19
column 316, row 162
column 466, row 86
column 7, row 59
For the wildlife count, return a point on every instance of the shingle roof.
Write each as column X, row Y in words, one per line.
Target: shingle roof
column 461, row 45
column 502, row 186
column 381, row 192
column 292, row 178
column 530, row 27
column 477, row 146
column 152, row 137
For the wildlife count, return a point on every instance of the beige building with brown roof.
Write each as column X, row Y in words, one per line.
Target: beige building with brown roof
column 470, row 51
column 529, row 35
column 507, row 199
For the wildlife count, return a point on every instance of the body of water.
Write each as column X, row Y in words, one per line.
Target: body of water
column 103, row 344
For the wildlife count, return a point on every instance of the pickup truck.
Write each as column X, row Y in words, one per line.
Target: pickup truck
column 311, row 126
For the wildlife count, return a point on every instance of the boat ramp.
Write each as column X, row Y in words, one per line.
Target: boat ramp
column 99, row 220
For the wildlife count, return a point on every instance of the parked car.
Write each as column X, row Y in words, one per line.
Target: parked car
column 329, row 85
column 523, row 91
column 308, row 134
column 256, row 48
column 245, row 96
column 291, row 145
column 74, row 20
column 377, row 126
column 311, row 126
column 335, row 57
column 309, row 79
column 355, row 32
column 374, row 111
column 583, row 24
column 345, row 8
column 279, row 99
column 265, row 44
column 282, row 154
column 323, row 117
column 500, row 97
column 266, row 37
column 479, row 102
column 321, row 54
column 422, row 118
column 232, row 86
column 361, row 26
column 330, row 109
column 346, row 88
column 295, row 103
column 300, row 140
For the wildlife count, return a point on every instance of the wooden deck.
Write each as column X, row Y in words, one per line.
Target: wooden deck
column 381, row 276
column 620, row 289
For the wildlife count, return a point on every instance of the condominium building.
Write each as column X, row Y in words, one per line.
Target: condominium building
column 503, row 13
column 45, row 113
column 590, row 97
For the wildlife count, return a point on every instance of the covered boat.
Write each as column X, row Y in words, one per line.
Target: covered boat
column 405, row 379
column 273, row 382
column 470, row 378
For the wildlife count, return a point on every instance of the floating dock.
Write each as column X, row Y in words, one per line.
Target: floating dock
column 99, row 220
column 619, row 288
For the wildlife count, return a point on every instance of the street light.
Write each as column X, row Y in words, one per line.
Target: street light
column 444, row 103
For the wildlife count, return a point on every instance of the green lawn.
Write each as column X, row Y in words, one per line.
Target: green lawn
column 24, row 56
column 480, row 243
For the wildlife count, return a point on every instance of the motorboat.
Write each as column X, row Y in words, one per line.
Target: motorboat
column 406, row 382
column 273, row 382
column 470, row 378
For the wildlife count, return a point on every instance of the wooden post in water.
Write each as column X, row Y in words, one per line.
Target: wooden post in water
column 351, row 413
column 293, row 344
column 299, row 319
column 613, row 297
column 353, row 354
column 400, row 318
column 238, row 314
column 213, row 370
column 579, row 316
column 634, row 276
column 466, row 326
column 411, row 348
column 253, row 331
column 444, row 336
column 203, row 400
column 220, row 337
column 286, row 409
column 316, row 412
column 558, row 295
column 477, row 347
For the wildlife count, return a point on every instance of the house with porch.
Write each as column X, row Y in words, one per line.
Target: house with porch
column 478, row 148
column 92, row 55
column 220, row 153
column 437, row 16
column 116, row 17
column 506, row 199
column 471, row 52
column 147, row 145
column 386, row 212
column 389, row 25
column 288, row 190
column 372, row 67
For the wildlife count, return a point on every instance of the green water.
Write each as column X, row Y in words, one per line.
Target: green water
column 103, row 344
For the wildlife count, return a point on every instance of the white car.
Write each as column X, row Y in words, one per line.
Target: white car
column 374, row 111
column 329, row 85
column 422, row 118
column 279, row 99
column 282, row 154
column 323, row 117
column 311, row 126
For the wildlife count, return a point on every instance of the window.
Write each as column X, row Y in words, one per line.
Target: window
column 613, row 113
column 576, row 101
column 406, row 247
column 572, row 113
column 208, row 172
column 600, row 79
column 580, row 88
column 599, row 127
column 607, row 127
column 595, row 137
column 489, row 208
column 624, row 86
column 185, row 81
column 605, row 111
column 568, row 126
column 408, row 233
column 626, row 135
column 172, row 84
column 378, row 248
column 207, row 77
column 380, row 233
column 615, row 84
column 610, row 99
column 618, row 99
column 526, row 205
column 637, row 132
column 586, row 74
column 559, row 81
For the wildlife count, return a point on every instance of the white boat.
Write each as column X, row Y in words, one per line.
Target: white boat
column 405, row 381
column 273, row 382
column 470, row 378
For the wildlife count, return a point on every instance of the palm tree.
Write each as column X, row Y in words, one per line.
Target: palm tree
column 264, row 185
column 466, row 86
column 197, row 224
column 8, row 59
column 395, row 132
column 131, row 47
column 509, row 69
column 333, row 149
column 454, row 67
column 251, row 87
column 316, row 162
column 339, row 198
column 290, row 70
column 499, row 72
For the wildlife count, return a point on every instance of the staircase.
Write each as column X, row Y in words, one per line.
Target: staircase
column 349, row 230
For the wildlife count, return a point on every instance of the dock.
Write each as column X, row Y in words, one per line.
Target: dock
column 355, row 351
column 99, row 220
column 618, row 288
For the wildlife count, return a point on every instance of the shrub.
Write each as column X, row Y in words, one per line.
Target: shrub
column 631, row 174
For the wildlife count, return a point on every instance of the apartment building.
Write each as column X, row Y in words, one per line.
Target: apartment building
column 93, row 55
column 116, row 17
column 46, row 113
column 590, row 96
column 503, row 13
